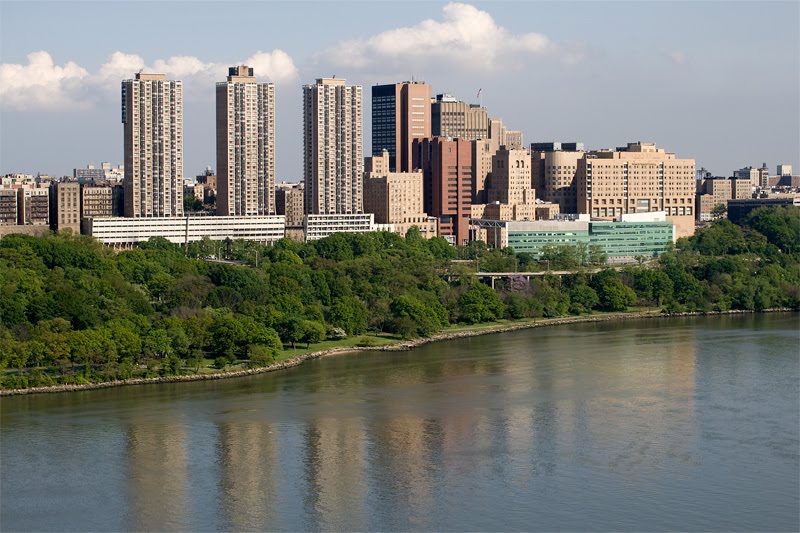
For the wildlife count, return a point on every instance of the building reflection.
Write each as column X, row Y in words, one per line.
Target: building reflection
column 248, row 455
column 335, row 474
column 157, row 473
column 400, row 459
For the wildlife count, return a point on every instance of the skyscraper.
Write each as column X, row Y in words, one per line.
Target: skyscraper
column 245, row 145
column 401, row 112
column 152, row 118
column 447, row 188
column 332, row 155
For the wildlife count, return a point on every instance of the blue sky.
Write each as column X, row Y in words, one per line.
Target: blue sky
column 715, row 81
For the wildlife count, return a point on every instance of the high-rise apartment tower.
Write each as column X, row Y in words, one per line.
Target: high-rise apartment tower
column 152, row 118
column 332, row 154
column 245, row 145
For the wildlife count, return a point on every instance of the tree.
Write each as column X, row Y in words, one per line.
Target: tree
column 313, row 332
column 227, row 335
column 719, row 211
column 583, row 299
column 597, row 256
column 411, row 317
column 290, row 329
column 479, row 303
column 157, row 344
column 349, row 314
column 259, row 355
column 781, row 226
column 613, row 295
column 192, row 204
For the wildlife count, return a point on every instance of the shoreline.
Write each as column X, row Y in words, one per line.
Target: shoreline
column 396, row 347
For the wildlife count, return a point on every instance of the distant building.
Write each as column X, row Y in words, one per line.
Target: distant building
column 89, row 174
column 395, row 198
column 245, row 145
column 319, row 226
column 120, row 232
column 483, row 150
column 749, row 173
column 97, row 201
column 448, row 171
column 8, row 207
column 208, row 179
column 555, row 168
column 638, row 178
column 290, row 202
column 739, row 209
column 784, row 170
column 456, row 119
column 622, row 241
column 65, row 206
column 152, row 118
column 333, row 162
column 513, row 140
column 510, row 194
column 33, row 207
column 716, row 191
column 401, row 112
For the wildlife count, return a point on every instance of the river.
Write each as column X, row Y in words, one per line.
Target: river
column 673, row 424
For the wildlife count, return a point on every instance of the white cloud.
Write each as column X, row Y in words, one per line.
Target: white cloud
column 466, row 38
column 678, row 57
column 275, row 66
column 42, row 85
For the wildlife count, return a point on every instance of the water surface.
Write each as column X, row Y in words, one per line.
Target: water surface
column 674, row 424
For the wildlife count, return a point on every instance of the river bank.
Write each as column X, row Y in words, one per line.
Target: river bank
column 398, row 346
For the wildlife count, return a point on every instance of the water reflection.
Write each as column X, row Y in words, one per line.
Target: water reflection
column 606, row 426
column 335, row 470
column 248, row 457
column 157, row 471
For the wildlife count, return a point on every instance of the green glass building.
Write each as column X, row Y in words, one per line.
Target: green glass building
column 619, row 240
column 630, row 239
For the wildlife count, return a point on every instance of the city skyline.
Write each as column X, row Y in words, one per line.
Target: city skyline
column 600, row 73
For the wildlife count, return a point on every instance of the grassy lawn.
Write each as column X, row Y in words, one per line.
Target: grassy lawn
column 377, row 339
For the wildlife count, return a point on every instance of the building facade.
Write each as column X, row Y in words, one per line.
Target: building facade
column 716, row 191
column 33, row 206
column 128, row 232
column 511, row 177
column 332, row 147
column 739, row 209
column 152, row 118
column 449, row 174
column 65, row 206
column 8, row 207
column 554, row 170
column 395, row 198
column 97, row 201
column 319, row 226
column 290, row 202
column 401, row 112
column 638, row 178
column 245, row 145
column 457, row 119
column 621, row 241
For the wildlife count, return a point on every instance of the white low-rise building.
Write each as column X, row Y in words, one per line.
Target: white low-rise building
column 124, row 232
column 321, row 226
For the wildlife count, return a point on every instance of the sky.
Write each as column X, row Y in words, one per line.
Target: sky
column 716, row 81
